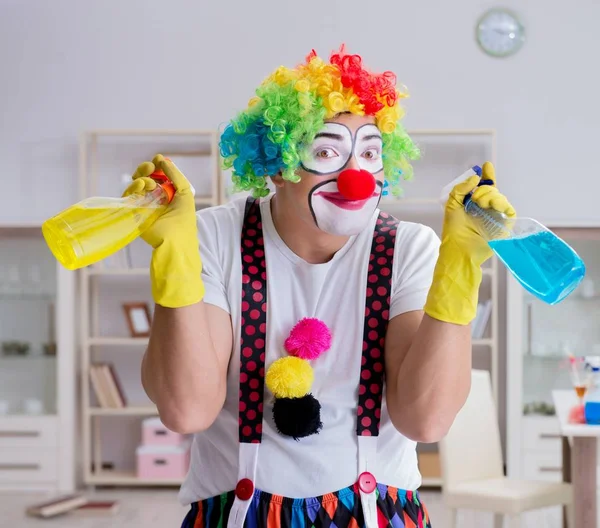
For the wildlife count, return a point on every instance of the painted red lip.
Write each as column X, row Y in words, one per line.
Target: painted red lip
column 337, row 199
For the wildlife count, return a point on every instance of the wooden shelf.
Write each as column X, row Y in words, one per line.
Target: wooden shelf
column 204, row 200
column 128, row 478
column 432, row 482
column 124, row 411
column 411, row 202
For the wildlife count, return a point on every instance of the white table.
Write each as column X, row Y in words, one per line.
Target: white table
column 579, row 459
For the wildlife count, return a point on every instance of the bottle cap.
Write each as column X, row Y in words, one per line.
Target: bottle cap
column 161, row 178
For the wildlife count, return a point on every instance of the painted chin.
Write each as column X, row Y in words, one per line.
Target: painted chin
column 336, row 215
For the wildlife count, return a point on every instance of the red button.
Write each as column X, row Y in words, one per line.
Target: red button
column 244, row 489
column 367, row 482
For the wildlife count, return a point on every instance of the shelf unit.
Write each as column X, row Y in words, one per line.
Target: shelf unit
column 446, row 154
column 537, row 363
column 36, row 448
column 195, row 152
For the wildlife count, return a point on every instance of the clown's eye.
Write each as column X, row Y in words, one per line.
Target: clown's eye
column 325, row 153
column 371, row 154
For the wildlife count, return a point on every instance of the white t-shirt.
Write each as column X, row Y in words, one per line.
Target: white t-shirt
column 335, row 293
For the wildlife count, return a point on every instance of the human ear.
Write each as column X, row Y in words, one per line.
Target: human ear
column 277, row 180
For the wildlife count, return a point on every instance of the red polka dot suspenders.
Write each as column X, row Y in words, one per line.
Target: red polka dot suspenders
column 252, row 359
column 254, row 326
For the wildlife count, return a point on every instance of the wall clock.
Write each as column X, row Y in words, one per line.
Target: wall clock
column 500, row 33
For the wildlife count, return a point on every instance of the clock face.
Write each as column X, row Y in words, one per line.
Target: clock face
column 500, row 33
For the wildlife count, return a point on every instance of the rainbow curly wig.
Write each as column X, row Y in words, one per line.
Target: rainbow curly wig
column 290, row 108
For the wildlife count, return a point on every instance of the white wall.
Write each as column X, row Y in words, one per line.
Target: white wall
column 69, row 65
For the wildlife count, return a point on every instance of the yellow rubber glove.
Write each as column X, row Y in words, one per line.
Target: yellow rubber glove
column 454, row 292
column 176, row 267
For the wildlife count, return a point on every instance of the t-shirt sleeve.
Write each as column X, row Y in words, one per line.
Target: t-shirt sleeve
column 213, row 274
column 416, row 253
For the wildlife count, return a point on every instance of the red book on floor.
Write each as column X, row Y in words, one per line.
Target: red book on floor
column 97, row 508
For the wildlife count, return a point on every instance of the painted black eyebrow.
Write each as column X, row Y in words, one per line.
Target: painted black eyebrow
column 371, row 136
column 329, row 135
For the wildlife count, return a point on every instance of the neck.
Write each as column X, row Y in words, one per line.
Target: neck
column 307, row 241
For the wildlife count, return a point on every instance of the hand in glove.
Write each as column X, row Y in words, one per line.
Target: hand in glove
column 176, row 267
column 454, row 292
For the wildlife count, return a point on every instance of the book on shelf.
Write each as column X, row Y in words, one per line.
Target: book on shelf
column 57, row 506
column 107, row 386
column 479, row 324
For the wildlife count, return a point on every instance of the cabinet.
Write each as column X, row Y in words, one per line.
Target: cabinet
column 37, row 365
column 445, row 155
column 539, row 338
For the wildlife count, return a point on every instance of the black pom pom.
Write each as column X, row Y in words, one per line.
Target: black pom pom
column 297, row 417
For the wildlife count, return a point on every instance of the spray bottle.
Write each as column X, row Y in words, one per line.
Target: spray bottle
column 97, row 227
column 544, row 264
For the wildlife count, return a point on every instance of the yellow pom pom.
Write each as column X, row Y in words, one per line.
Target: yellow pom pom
column 289, row 377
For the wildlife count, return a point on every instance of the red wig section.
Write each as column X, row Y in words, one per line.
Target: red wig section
column 373, row 90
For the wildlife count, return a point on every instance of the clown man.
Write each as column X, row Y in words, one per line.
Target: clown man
column 305, row 338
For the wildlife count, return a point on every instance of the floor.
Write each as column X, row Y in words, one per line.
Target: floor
column 144, row 509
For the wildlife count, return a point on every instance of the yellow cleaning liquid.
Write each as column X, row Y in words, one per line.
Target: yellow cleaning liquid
column 95, row 228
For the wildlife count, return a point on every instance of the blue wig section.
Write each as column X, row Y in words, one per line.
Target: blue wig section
column 254, row 151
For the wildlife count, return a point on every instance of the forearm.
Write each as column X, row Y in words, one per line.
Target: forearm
column 181, row 371
column 432, row 381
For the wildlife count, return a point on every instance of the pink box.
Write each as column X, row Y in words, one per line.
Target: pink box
column 155, row 433
column 163, row 462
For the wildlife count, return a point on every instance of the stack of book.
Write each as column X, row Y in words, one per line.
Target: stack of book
column 106, row 385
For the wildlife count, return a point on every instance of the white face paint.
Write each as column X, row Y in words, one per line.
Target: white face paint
column 330, row 151
column 368, row 147
column 329, row 154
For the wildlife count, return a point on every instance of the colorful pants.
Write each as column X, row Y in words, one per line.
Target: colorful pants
column 341, row 509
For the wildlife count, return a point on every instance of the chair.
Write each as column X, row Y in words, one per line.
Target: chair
column 472, row 469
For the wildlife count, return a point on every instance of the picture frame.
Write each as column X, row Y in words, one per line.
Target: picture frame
column 138, row 318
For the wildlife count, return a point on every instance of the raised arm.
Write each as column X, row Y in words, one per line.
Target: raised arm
column 428, row 354
column 185, row 366
column 184, row 370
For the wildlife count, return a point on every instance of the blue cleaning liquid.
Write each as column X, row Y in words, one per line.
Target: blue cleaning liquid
column 544, row 264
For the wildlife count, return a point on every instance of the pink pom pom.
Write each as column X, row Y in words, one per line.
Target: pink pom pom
column 308, row 339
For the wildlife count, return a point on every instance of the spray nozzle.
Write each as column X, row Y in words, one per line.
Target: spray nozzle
column 162, row 179
column 473, row 171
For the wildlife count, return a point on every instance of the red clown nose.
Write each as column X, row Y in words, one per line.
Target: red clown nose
column 356, row 184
